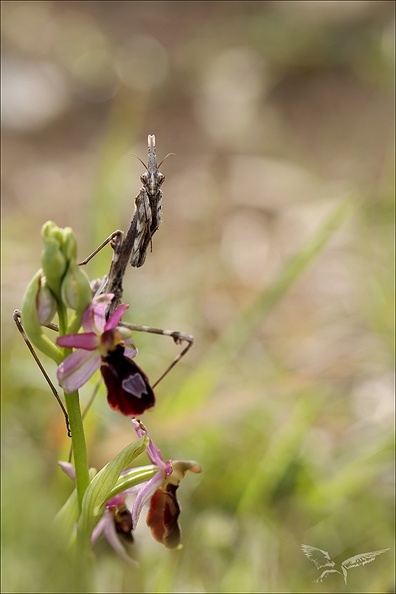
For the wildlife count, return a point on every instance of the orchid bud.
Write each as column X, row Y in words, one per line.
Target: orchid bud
column 69, row 245
column 75, row 290
column 53, row 260
column 46, row 303
column 51, row 230
column 31, row 318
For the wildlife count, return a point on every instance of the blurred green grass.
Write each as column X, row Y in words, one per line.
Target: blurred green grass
column 285, row 399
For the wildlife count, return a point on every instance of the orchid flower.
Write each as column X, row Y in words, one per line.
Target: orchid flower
column 103, row 345
column 160, row 492
column 116, row 525
column 116, row 522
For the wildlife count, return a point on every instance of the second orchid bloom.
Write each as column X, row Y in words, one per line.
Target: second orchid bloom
column 119, row 520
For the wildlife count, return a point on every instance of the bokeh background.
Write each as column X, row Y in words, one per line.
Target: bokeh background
column 275, row 252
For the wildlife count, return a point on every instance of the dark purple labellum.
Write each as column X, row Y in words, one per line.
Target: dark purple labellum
column 128, row 388
column 123, row 522
column 162, row 517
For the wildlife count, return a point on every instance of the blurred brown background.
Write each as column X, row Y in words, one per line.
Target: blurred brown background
column 277, row 113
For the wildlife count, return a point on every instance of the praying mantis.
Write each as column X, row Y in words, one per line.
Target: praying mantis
column 131, row 247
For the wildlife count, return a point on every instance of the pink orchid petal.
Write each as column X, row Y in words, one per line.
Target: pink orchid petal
column 138, row 428
column 116, row 500
column 76, row 369
column 94, row 317
column 145, row 494
column 168, row 468
column 88, row 341
column 152, row 451
column 113, row 538
column 100, row 311
column 116, row 316
column 155, row 456
column 68, row 469
column 98, row 529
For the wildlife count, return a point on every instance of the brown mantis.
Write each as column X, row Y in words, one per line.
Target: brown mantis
column 133, row 247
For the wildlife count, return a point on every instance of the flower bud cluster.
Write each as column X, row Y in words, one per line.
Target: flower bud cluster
column 59, row 284
column 64, row 277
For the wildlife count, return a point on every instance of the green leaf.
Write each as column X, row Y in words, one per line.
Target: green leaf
column 98, row 491
column 67, row 516
column 133, row 478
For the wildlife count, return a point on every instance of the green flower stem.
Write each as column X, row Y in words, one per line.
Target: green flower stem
column 75, row 323
column 62, row 316
column 79, row 445
column 76, row 425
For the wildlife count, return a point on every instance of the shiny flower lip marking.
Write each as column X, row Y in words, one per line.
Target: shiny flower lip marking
column 103, row 346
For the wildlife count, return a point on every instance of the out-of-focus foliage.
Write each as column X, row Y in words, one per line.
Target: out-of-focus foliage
column 275, row 251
